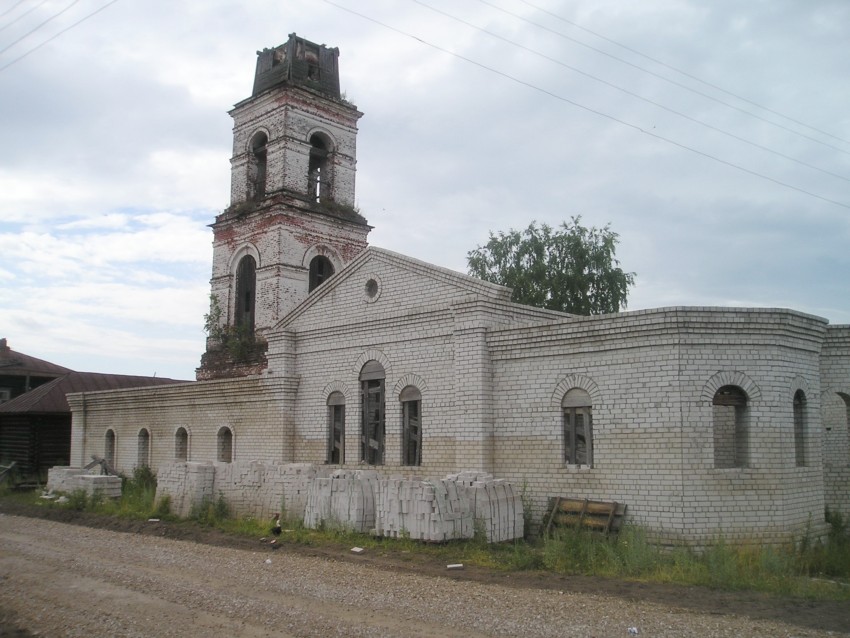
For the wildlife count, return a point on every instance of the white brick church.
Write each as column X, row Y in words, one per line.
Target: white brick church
column 703, row 421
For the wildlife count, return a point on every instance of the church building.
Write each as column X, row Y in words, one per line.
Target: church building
column 328, row 351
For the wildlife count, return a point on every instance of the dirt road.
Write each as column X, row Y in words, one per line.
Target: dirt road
column 65, row 580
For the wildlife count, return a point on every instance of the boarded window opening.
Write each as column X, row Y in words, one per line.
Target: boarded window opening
column 144, row 448
column 731, row 435
column 372, row 433
column 578, row 427
column 411, row 440
column 336, row 428
column 800, row 428
column 109, row 447
column 246, row 283
column 257, row 168
column 181, row 444
column 224, row 445
column 320, row 269
column 319, row 179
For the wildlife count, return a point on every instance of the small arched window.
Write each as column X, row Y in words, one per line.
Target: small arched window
column 246, row 285
column 224, row 445
column 336, row 428
column 257, row 166
column 144, row 454
column 109, row 447
column 731, row 424
column 800, row 428
column 320, row 269
column 181, row 444
column 411, row 429
column 372, row 432
column 577, row 411
column 319, row 177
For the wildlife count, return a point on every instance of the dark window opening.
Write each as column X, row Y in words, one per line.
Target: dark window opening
column 224, row 445
column 578, row 427
column 319, row 186
column 144, row 452
column 411, row 435
column 372, row 432
column 109, row 447
column 731, row 430
column 181, row 444
column 246, row 283
column 800, row 428
column 257, row 167
column 336, row 428
column 320, row 269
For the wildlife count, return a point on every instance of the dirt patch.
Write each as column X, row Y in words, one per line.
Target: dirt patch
column 821, row 615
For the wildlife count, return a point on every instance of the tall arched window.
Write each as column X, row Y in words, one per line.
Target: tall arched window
column 246, row 285
column 320, row 269
column 181, row 444
column 257, row 167
column 411, row 426
column 319, row 177
column 336, row 428
column 731, row 427
column 577, row 411
column 109, row 447
column 372, row 432
column 224, row 445
column 144, row 455
column 800, row 428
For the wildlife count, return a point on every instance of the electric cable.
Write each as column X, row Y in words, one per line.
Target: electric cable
column 22, row 16
column 29, row 33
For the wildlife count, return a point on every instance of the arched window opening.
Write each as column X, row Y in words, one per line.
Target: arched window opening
column 336, row 428
column 411, row 431
column 320, row 269
column 800, row 428
column 319, row 179
column 372, row 432
column 257, row 167
column 577, row 411
column 246, row 284
column 181, row 444
column 846, row 419
column 224, row 445
column 109, row 447
column 144, row 454
column 731, row 427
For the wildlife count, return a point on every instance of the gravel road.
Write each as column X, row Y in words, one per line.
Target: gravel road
column 64, row 580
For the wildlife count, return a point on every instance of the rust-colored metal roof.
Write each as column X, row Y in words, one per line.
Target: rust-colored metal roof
column 50, row 397
column 19, row 364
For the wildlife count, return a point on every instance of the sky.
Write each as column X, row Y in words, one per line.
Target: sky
column 712, row 136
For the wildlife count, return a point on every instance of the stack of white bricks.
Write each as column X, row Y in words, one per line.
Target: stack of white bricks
column 188, row 485
column 68, row 479
column 431, row 510
column 344, row 500
column 496, row 506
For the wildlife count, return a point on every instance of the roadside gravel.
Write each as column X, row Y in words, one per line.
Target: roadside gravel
column 64, row 580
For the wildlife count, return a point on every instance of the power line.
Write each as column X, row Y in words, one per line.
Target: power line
column 56, row 35
column 12, row 8
column 685, row 73
column 631, row 93
column 23, row 15
column 586, row 108
column 665, row 79
column 29, row 33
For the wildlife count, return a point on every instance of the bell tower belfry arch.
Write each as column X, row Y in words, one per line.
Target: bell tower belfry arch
column 291, row 222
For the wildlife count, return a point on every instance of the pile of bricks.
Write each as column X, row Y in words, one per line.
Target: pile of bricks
column 431, row 510
column 496, row 506
column 67, row 479
column 188, row 485
column 345, row 500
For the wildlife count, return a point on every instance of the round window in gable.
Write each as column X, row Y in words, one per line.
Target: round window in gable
column 372, row 289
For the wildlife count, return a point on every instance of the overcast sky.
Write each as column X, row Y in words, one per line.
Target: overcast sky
column 713, row 136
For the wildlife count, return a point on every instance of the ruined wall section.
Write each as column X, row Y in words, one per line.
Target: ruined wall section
column 835, row 404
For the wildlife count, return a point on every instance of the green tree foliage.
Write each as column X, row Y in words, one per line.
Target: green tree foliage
column 571, row 268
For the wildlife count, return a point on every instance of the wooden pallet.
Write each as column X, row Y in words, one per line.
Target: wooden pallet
column 600, row 516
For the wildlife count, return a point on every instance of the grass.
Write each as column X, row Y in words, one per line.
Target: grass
column 811, row 568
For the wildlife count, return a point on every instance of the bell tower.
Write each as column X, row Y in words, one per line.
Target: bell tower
column 291, row 222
